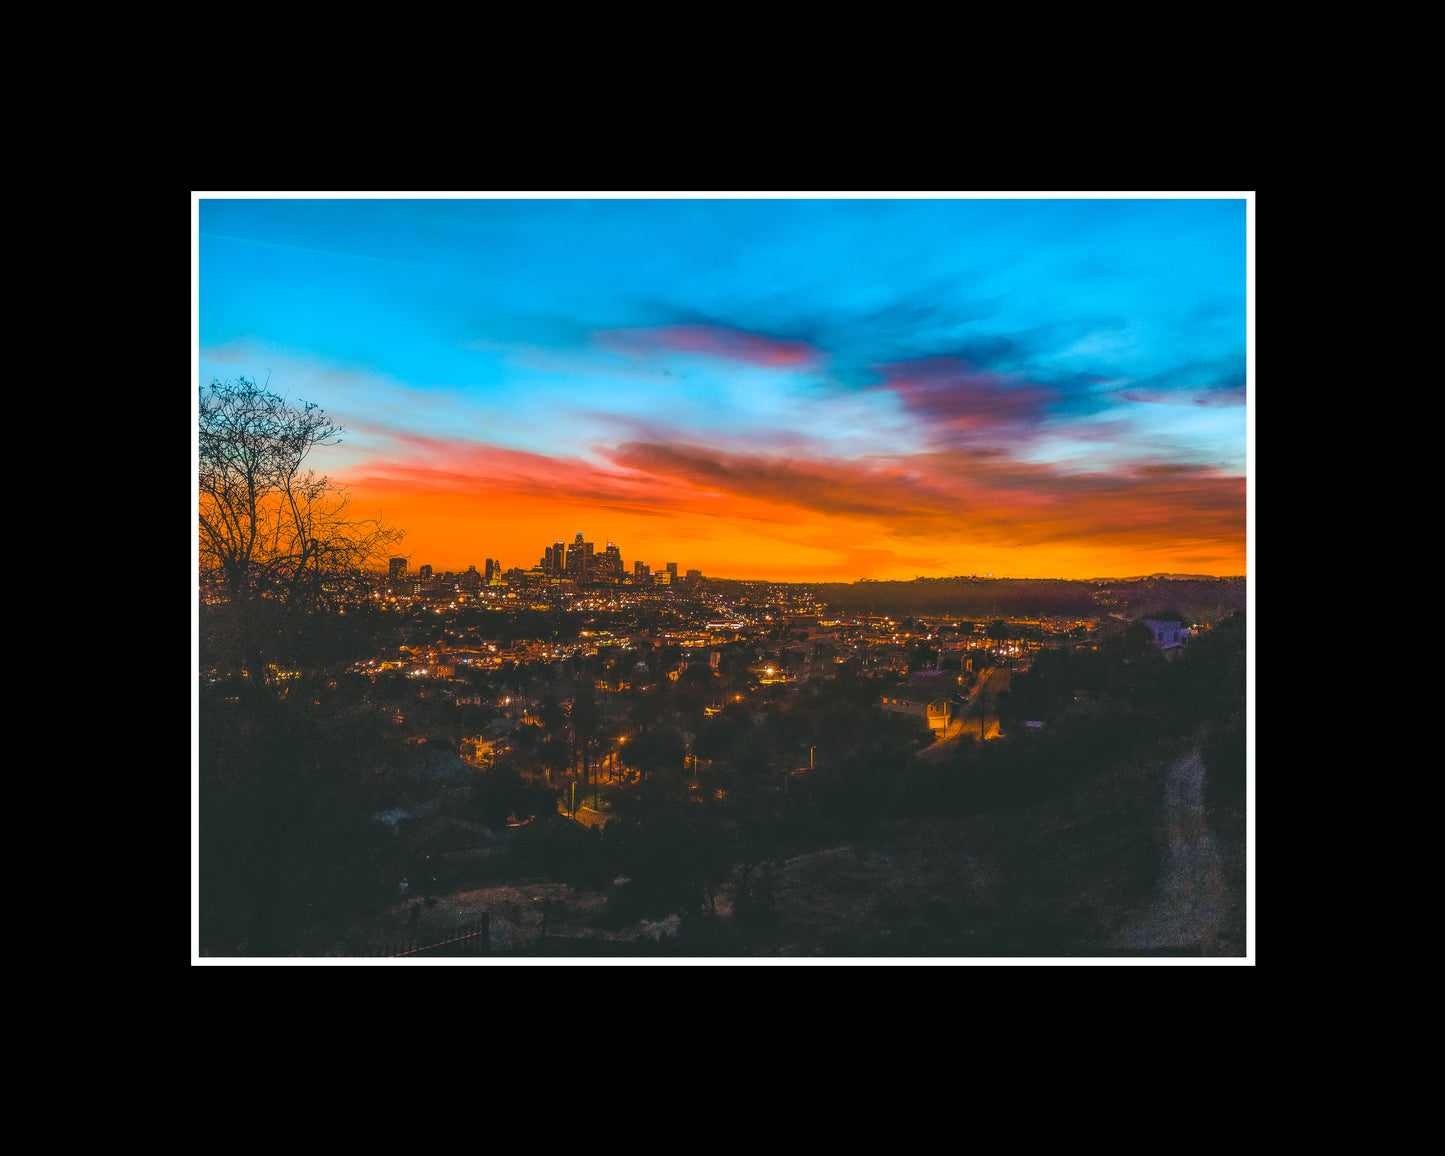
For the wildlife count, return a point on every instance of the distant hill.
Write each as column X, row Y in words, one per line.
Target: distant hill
column 1170, row 577
column 1200, row 599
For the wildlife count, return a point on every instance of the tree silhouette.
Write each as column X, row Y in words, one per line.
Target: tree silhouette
column 274, row 539
column 659, row 751
column 585, row 721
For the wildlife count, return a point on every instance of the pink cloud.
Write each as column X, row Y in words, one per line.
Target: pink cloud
column 419, row 464
column 716, row 341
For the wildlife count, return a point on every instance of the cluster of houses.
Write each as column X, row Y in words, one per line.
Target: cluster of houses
column 921, row 702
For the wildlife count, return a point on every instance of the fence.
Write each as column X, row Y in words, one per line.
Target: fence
column 476, row 940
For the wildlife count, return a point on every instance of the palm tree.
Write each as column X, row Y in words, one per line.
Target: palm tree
column 584, row 730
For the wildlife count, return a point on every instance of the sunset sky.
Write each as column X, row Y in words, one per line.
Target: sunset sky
column 818, row 388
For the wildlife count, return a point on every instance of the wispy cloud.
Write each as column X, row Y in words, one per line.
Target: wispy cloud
column 876, row 490
column 713, row 341
column 1216, row 383
column 962, row 404
column 1211, row 397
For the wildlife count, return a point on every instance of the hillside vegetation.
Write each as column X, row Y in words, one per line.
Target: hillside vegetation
column 1053, row 841
column 1201, row 600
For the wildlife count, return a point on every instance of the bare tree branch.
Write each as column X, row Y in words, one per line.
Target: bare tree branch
column 267, row 529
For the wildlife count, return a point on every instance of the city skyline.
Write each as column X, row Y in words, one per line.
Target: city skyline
column 797, row 389
column 557, row 560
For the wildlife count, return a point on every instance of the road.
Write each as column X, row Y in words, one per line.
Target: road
column 966, row 723
column 588, row 817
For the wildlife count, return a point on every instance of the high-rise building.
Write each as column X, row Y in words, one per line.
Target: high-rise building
column 672, row 569
column 639, row 571
column 613, row 568
column 425, row 574
column 398, row 569
column 579, row 559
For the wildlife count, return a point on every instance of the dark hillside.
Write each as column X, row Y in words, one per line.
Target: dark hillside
column 1116, row 829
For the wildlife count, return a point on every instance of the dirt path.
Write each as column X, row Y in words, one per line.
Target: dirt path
column 1191, row 901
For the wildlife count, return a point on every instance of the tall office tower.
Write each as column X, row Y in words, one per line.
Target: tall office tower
column 471, row 581
column 639, row 570
column 577, row 559
column 613, row 569
column 425, row 574
column 672, row 569
column 398, row 569
column 549, row 566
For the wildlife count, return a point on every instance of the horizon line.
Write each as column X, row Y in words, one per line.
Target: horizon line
column 1172, row 576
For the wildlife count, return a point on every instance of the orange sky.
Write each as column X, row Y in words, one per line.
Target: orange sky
column 750, row 516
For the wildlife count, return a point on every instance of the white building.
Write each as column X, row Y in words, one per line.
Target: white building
column 935, row 712
column 1168, row 636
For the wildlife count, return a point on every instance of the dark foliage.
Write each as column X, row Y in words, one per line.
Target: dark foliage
column 502, row 793
column 287, row 786
column 566, row 852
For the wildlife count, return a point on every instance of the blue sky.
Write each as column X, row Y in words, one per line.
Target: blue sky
column 1032, row 386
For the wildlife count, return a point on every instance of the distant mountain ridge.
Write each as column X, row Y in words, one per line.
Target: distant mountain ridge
column 1199, row 599
column 1174, row 578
